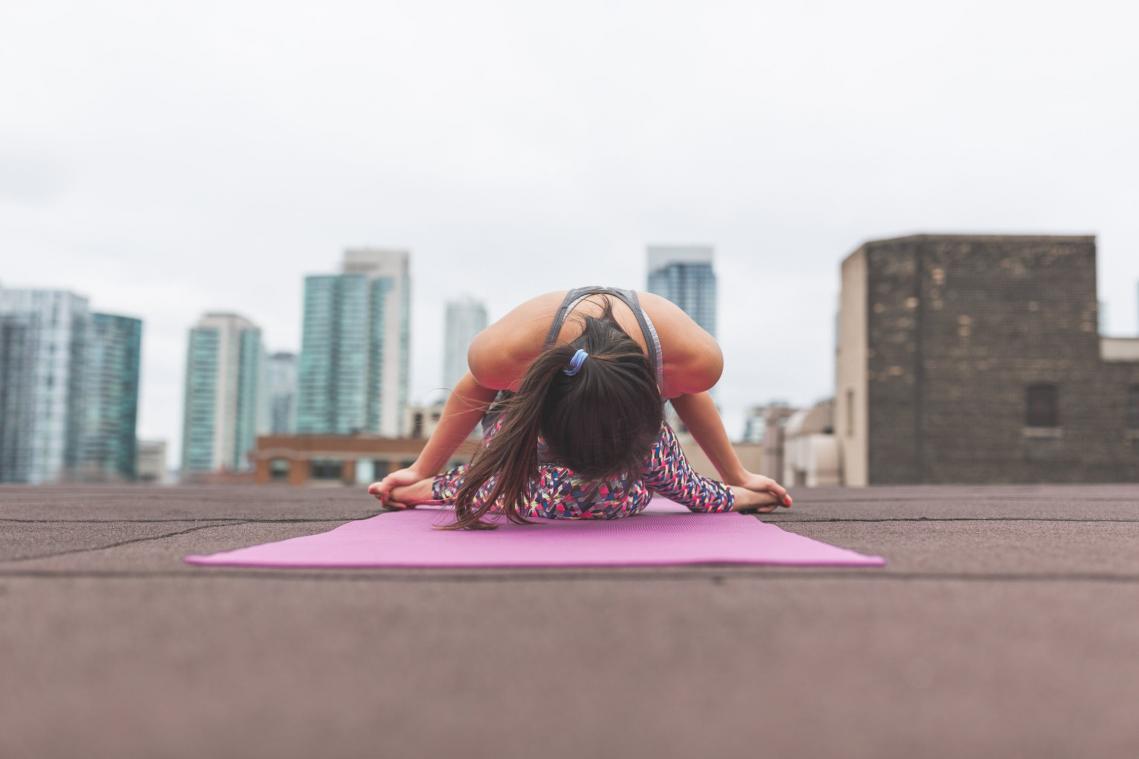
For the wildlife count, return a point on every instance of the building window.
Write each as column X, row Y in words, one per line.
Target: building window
column 278, row 469
column 1041, row 406
column 381, row 468
column 1133, row 407
column 326, row 469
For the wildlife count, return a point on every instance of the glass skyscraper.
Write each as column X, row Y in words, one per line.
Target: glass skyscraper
column 17, row 359
column 68, row 389
column 224, row 407
column 466, row 317
column 282, row 393
column 684, row 275
column 107, row 442
column 355, row 347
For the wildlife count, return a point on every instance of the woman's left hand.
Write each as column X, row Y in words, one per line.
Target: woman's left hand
column 761, row 484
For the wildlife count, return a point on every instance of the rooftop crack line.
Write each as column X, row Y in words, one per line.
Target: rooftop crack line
column 117, row 544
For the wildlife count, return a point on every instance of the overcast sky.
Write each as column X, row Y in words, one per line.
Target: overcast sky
column 166, row 159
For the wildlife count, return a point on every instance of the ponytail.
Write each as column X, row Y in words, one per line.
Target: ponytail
column 502, row 472
column 596, row 403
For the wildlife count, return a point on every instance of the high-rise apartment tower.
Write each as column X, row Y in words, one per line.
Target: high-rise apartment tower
column 68, row 389
column 224, row 400
column 684, row 275
column 355, row 348
column 282, row 393
column 109, row 408
column 466, row 317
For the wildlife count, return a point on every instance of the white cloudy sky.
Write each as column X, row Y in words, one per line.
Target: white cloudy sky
column 169, row 158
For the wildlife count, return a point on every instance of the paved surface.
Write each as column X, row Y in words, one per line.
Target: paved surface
column 1006, row 625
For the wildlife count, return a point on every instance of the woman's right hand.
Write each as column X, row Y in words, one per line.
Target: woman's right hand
column 382, row 490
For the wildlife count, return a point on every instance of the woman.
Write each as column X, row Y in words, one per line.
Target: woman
column 574, row 383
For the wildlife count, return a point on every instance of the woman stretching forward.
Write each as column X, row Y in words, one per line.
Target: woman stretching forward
column 570, row 388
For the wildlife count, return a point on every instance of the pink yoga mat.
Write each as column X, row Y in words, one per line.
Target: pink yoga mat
column 666, row 534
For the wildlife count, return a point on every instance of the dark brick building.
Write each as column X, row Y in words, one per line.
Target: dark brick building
column 965, row 358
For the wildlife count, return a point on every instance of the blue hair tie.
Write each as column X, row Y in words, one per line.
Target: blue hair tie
column 576, row 362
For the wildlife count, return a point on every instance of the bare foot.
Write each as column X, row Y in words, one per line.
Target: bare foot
column 407, row 496
column 760, row 501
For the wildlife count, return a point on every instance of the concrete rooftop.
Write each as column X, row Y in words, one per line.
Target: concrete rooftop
column 1006, row 625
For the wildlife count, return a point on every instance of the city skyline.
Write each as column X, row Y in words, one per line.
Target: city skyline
column 429, row 390
column 205, row 166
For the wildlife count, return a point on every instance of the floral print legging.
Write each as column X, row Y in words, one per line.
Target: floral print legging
column 557, row 493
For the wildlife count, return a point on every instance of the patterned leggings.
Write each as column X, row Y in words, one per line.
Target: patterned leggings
column 557, row 493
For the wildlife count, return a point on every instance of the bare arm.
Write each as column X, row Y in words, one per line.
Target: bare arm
column 699, row 414
column 693, row 364
column 464, row 408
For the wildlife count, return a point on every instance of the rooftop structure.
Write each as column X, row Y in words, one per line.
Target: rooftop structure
column 978, row 359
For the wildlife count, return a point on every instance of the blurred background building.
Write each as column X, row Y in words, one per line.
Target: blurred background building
column 465, row 318
column 151, row 465
column 109, row 406
column 44, row 334
column 770, row 421
column 809, row 449
column 69, row 386
column 758, row 418
column 282, row 386
column 422, row 419
column 966, row 358
column 684, row 275
column 754, row 425
column 344, row 459
column 224, row 405
column 355, row 349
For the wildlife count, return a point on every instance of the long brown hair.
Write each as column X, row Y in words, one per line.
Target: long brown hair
column 600, row 422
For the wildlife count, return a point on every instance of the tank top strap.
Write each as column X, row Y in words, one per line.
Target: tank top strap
column 648, row 329
column 629, row 298
column 571, row 300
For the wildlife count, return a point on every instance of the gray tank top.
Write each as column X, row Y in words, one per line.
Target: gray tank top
column 629, row 298
column 573, row 297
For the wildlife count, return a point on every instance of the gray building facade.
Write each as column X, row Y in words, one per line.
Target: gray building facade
column 978, row 359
